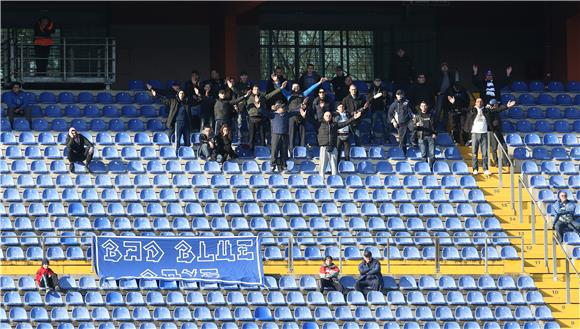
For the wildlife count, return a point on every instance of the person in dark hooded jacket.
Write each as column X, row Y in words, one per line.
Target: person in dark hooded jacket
column 370, row 278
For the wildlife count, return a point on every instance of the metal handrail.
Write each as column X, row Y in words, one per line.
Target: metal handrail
column 94, row 65
column 500, row 170
column 568, row 260
column 291, row 243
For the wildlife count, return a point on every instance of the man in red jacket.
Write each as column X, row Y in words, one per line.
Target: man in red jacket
column 46, row 278
column 329, row 276
column 43, row 31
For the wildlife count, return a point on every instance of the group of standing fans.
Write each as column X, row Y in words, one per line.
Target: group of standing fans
column 419, row 110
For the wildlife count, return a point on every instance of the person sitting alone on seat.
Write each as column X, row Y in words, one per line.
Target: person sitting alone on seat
column 563, row 211
column 370, row 274
column 46, row 278
column 329, row 276
column 79, row 148
column 17, row 104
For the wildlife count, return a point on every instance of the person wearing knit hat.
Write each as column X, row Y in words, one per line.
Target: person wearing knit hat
column 46, row 278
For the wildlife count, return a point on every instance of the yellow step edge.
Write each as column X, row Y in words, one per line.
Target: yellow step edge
column 301, row 267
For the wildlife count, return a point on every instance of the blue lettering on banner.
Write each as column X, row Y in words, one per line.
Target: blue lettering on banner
column 209, row 259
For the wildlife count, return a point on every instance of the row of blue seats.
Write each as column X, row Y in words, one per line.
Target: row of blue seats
column 539, row 86
column 555, row 182
column 123, row 180
column 533, row 112
column 405, row 282
column 453, row 234
column 158, row 138
column 86, row 97
column 542, row 99
column 233, row 209
column 292, row 325
column 283, row 314
column 542, row 126
column 550, row 195
column 465, row 253
column 401, row 168
column 429, row 292
column 549, row 139
column 550, row 167
column 26, row 227
column 543, row 154
column 118, row 125
column 41, row 166
column 244, row 196
column 94, row 111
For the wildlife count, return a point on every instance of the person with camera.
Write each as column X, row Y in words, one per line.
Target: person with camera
column 79, row 149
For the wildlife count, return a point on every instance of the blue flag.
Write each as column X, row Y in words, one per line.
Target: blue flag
column 207, row 259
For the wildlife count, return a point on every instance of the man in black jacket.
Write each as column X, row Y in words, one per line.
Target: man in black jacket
column 224, row 109
column 276, row 78
column 421, row 91
column 399, row 116
column 257, row 122
column 192, row 83
column 377, row 98
column 207, row 144
column 79, row 149
column 402, row 71
column 457, row 111
column 338, row 83
column 241, row 88
column 488, row 87
column 295, row 101
column 328, row 137
column 370, row 278
column 321, row 104
column 447, row 79
column 352, row 102
column 426, row 126
column 497, row 128
column 179, row 117
column 215, row 82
